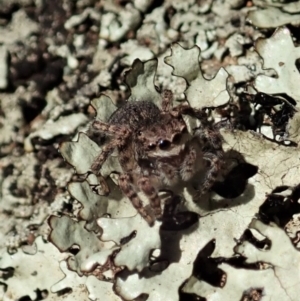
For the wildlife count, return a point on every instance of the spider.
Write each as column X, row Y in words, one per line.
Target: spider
column 156, row 151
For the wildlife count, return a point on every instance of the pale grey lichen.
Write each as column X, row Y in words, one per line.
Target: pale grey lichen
column 63, row 126
column 117, row 21
column 282, row 256
column 30, row 277
column 95, row 206
column 3, row 67
column 200, row 92
column 79, row 19
column 133, row 50
column 271, row 14
column 102, row 235
column 155, row 30
column 74, row 233
column 13, row 112
column 283, row 62
column 116, row 229
column 15, row 32
column 83, row 288
column 142, row 75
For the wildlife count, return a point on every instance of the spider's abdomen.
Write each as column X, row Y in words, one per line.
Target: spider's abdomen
column 136, row 114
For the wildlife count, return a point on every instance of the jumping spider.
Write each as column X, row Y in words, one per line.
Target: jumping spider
column 156, row 151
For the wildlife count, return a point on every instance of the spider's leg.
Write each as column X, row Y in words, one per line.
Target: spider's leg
column 120, row 133
column 187, row 167
column 211, row 142
column 103, row 155
column 111, row 129
column 125, row 183
column 186, row 109
column 146, row 186
column 102, row 188
column 167, row 100
column 212, row 173
column 211, row 138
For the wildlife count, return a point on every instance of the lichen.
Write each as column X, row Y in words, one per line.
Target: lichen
column 71, row 61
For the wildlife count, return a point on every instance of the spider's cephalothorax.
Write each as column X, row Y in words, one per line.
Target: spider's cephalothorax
column 156, row 151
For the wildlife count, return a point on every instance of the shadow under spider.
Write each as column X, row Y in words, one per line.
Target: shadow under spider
column 233, row 186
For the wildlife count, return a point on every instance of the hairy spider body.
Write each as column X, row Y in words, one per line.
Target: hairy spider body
column 157, row 152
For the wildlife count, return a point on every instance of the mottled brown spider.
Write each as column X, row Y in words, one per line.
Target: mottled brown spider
column 156, row 151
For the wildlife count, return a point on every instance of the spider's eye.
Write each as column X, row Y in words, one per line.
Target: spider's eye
column 176, row 139
column 164, row 144
column 151, row 146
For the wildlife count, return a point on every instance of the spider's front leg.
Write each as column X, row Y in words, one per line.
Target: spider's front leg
column 110, row 129
column 126, row 185
column 145, row 185
column 120, row 133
